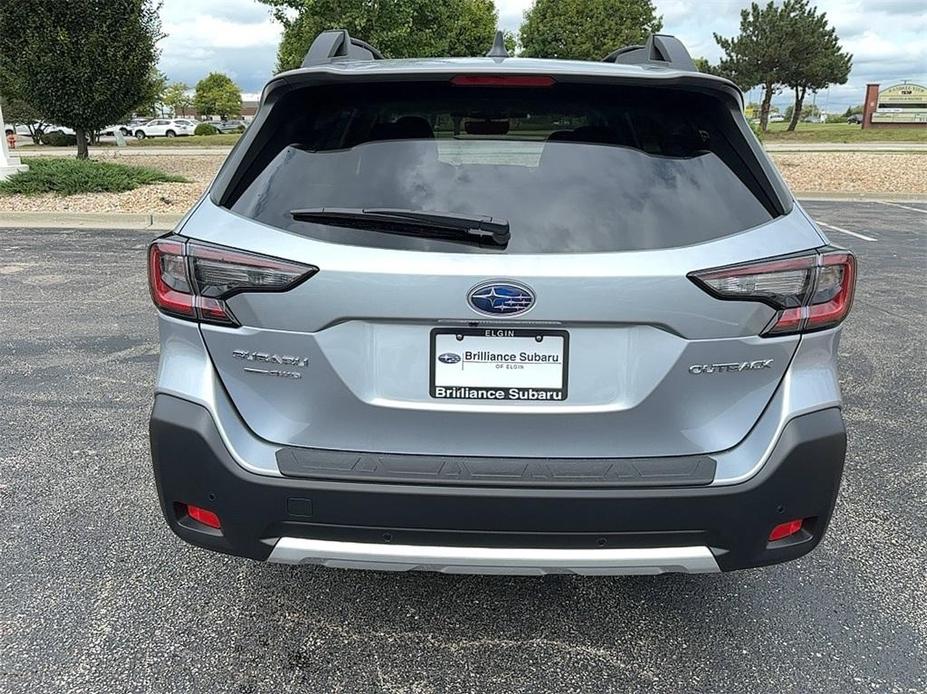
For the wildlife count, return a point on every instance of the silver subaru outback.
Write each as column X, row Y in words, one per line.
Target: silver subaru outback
column 499, row 315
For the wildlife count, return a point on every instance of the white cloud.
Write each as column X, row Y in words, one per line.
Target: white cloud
column 213, row 32
column 511, row 12
column 237, row 37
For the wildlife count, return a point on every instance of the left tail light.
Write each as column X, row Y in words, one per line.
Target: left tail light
column 193, row 280
column 809, row 292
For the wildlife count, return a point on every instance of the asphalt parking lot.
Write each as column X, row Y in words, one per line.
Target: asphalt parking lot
column 96, row 594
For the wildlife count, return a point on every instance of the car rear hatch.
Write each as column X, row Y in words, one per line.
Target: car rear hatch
column 584, row 336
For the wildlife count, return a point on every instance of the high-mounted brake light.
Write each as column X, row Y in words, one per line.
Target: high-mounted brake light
column 503, row 81
column 193, row 280
column 809, row 292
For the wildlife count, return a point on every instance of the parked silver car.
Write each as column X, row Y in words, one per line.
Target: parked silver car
column 500, row 315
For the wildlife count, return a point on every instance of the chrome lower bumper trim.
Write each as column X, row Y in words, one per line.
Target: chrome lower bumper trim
column 494, row 560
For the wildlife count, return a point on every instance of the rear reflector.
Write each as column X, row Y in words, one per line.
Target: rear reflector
column 203, row 516
column 784, row 530
column 502, row 81
column 193, row 280
column 810, row 292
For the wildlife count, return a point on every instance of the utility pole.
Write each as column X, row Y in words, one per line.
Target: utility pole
column 8, row 163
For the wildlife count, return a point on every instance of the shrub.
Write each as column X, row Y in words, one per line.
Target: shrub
column 205, row 129
column 757, row 130
column 58, row 139
column 73, row 176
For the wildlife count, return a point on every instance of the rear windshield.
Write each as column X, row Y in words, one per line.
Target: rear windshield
column 572, row 168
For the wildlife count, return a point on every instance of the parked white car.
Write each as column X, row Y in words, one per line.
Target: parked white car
column 117, row 128
column 51, row 128
column 165, row 127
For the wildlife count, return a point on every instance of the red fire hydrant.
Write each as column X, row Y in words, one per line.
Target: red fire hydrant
column 11, row 140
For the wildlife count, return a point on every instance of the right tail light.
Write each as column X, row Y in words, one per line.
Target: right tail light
column 809, row 292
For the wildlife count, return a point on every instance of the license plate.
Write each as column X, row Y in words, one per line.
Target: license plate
column 499, row 364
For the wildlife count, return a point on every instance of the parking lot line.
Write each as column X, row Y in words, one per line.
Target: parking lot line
column 846, row 231
column 904, row 207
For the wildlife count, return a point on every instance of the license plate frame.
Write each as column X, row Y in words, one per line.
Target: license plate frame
column 462, row 391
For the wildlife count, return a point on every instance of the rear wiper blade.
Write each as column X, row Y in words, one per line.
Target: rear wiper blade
column 444, row 225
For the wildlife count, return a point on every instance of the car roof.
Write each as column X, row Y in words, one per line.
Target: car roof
column 346, row 70
column 545, row 66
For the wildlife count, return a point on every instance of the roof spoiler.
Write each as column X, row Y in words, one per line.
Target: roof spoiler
column 337, row 44
column 661, row 50
column 330, row 46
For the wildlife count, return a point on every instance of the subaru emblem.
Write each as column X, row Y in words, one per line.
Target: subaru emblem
column 449, row 358
column 500, row 298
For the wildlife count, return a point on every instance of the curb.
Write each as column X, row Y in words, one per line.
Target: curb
column 116, row 153
column 849, row 148
column 90, row 220
column 858, row 197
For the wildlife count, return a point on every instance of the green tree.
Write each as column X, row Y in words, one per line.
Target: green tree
column 398, row 28
column 177, row 98
column 813, row 58
column 81, row 63
column 217, row 95
column 18, row 112
column 153, row 98
column 806, row 112
column 702, row 65
column 586, row 29
column 755, row 56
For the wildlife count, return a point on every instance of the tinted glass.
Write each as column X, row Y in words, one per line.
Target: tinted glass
column 572, row 169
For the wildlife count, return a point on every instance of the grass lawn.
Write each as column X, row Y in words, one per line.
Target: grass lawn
column 222, row 140
column 74, row 176
column 842, row 132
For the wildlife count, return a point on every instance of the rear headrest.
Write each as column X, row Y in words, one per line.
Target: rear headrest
column 415, row 127
column 593, row 134
column 406, row 128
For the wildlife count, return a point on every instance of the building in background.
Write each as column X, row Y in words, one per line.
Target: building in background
column 249, row 105
column 901, row 105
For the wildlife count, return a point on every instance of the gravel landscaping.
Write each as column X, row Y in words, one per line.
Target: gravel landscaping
column 805, row 172
column 854, row 172
column 157, row 198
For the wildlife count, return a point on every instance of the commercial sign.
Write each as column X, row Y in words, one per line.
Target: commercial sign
column 902, row 103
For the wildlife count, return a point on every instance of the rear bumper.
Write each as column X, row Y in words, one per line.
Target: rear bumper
column 481, row 529
column 494, row 560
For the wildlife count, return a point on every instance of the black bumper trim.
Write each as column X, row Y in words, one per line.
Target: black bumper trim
column 800, row 480
column 319, row 463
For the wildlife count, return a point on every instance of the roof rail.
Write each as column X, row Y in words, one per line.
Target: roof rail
column 337, row 44
column 661, row 50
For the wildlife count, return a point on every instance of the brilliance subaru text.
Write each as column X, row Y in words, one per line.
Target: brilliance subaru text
column 499, row 315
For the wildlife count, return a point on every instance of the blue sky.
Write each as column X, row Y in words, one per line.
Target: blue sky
column 238, row 37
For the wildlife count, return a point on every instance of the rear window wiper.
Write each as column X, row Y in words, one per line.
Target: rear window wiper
column 450, row 226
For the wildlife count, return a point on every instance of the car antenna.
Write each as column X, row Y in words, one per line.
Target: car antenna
column 498, row 49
